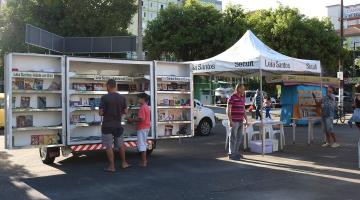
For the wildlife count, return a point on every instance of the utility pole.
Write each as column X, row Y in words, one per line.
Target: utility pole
column 341, row 76
column 139, row 45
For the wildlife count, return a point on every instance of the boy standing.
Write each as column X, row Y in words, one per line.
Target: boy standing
column 143, row 127
column 112, row 107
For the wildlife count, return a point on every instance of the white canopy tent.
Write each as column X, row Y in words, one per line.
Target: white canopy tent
column 251, row 56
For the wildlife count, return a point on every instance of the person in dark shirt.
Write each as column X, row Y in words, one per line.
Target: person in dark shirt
column 112, row 107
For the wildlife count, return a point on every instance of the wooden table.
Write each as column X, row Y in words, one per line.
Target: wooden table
column 262, row 125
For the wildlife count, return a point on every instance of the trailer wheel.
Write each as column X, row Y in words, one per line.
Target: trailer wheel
column 151, row 149
column 48, row 154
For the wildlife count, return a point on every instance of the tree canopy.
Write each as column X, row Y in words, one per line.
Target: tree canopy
column 194, row 31
column 63, row 17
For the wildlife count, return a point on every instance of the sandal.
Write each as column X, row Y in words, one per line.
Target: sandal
column 109, row 170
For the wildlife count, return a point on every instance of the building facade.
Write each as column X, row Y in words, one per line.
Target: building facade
column 351, row 22
column 151, row 8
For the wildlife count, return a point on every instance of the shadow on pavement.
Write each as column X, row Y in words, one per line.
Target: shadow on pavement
column 197, row 169
column 9, row 175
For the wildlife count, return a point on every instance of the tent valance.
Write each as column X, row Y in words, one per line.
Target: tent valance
column 251, row 54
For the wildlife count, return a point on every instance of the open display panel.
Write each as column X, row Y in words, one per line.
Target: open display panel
column 34, row 100
column 86, row 83
column 173, row 100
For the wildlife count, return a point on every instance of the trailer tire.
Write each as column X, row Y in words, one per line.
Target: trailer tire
column 48, row 154
column 150, row 150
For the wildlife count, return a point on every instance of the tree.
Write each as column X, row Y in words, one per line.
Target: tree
column 63, row 17
column 287, row 31
column 192, row 31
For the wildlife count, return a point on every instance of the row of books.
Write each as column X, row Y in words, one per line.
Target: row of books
column 173, row 87
column 174, row 115
column 174, row 102
column 140, row 87
column 85, row 102
column 169, row 130
column 25, row 102
column 45, row 139
column 33, row 84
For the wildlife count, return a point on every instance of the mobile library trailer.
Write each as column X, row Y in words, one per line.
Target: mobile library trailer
column 52, row 102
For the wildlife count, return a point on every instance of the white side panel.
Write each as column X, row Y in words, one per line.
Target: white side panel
column 8, row 101
column 168, row 125
column 34, row 115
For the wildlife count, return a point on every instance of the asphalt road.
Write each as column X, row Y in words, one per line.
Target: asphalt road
column 194, row 168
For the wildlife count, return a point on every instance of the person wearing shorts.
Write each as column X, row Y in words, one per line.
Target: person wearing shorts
column 112, row 107
column 328, row 105
column 143, row 127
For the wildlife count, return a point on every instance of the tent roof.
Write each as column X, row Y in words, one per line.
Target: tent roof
column 251, row 54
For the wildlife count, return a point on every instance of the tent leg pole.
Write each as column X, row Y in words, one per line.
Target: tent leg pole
column 261, row 115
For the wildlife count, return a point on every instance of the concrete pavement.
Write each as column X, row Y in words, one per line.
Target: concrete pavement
column 195, row 169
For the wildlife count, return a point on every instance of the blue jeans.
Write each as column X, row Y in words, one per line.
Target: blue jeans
column 267, row 112
column 235, row 138
column 257, row 112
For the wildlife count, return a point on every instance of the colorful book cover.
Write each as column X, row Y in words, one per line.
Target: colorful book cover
column 99, row 87
column 35, row 140
column 19, row 84
column 50, row 139
column 38, row 84
column 41, row 102
column 14, row 102
column 24, row 121
column 25, row 102
column 29, row 84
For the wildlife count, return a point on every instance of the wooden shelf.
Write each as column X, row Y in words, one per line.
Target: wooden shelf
column 174, row 122
column 21, row 110
column 37, row 91
column 173, row 92
column 173, row 107
column 40, row 128
column 84, row 142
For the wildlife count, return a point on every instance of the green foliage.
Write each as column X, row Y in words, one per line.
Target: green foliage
column 287, row 31
column 63, row 17
column 193, row 31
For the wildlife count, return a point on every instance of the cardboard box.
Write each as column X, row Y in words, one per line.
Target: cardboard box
column 256, row 146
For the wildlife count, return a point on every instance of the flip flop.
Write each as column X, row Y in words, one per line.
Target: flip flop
column 109, row 171
column 127, row 166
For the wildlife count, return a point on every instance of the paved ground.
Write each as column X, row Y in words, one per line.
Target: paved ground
column 193, row 169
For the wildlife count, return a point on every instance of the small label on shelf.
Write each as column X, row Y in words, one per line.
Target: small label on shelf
column 175, row 78
column 41, row 75
column 116, row 78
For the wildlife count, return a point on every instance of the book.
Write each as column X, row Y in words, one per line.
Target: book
column 19, row 84
column 99, row 87
column 37, row 140
column 14, row 102
column 50, row 139
column 24, row 121
column 54, row 86
column 28, row 84
column 89, row 87
column 133, row 88
column 123, row 87
column 75, row 119
column 38, row 84
column 25, row 102
column 41, row 102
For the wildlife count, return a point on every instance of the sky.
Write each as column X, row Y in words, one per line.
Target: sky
column 311, row 8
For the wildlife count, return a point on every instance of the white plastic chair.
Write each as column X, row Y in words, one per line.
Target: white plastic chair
column 272, row 133
column 225, row 123
column 249, row 131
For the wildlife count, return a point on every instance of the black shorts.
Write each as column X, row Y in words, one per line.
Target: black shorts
column 116, row 132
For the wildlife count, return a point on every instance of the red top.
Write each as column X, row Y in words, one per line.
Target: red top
column 144, row 114
column 238, row 107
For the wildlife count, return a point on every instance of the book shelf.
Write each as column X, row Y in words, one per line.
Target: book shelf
column 86, row 84
column 173, row 97
column 34, row 100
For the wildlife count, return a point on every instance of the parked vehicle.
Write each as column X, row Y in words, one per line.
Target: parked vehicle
column 204, row 118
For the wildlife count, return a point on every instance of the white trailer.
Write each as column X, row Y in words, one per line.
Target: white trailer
column 51, row 102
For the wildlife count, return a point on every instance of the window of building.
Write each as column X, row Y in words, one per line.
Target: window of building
column 151, row 4
column 144, row 14
column 162, row 6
